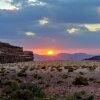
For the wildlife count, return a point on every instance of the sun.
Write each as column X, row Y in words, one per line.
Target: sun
column 50, row 52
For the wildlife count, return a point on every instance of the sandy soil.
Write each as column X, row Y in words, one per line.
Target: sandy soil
column 56, row 77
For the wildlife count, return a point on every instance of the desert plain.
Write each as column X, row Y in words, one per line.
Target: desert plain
column 57, row 79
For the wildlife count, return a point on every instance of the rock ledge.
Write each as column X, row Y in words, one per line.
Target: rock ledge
column 13, row 54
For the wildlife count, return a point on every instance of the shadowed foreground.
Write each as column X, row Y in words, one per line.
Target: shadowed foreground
column 50, row 80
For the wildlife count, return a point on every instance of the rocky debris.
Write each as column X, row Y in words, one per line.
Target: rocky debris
column 13, row 54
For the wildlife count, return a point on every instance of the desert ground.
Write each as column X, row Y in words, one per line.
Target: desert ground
column 58, row 80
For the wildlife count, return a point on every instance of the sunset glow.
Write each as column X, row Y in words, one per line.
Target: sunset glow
column 50, row 52
column 70, row 51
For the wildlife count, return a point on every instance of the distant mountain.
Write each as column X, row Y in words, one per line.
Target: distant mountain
column 63, row 56
column 94, row 58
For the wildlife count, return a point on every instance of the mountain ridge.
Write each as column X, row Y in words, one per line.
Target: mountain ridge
column 97, row 58
column 63, row 56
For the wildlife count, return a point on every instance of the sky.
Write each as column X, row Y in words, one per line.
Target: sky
column 64, row 26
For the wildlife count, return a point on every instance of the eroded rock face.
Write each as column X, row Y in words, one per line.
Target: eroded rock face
column 11, row 54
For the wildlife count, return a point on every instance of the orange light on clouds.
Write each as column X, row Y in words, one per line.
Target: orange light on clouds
column 46, row 51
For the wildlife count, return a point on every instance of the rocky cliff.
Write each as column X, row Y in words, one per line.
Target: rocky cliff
column 11, row 54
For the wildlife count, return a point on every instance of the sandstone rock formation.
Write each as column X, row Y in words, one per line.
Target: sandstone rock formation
column 11, row 54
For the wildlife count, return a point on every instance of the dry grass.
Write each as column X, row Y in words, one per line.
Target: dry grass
column 54, row 77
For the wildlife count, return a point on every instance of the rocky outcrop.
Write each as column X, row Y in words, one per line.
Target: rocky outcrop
column 11, row 54
column 97, row 58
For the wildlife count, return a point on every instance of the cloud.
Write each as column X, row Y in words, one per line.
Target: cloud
column 60, row 11
column 92, row 27
column 72, row 30
column 98, row 10
column 36, row 3
column 6, row 5
column 30, row 33
column 82, row 28
column 43, row 21
column 67, row 11
column 26, row 3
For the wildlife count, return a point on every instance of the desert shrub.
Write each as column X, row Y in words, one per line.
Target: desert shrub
column 59, row 69
column 65, row 76
column 43, row 67
column 80, row 96
column 25, row 68
column 22, row 73
column 21, row 95
column 59, row 82
column 3, row 71
column 80, row 81
column 51, row 76
column 84, row 66
column 39, row 77
column 2, row 68
column 32, row 68
column 81, row 73
column 23, row 91
column 65, row 67
column 54, row 97
column 92, row 68
column 41, row 82
column 51, row 98
column 70, row 69
column 47, row 85
column 36, row 76
column 36, row 90
column 92, row 79
column 52, row 69
column 10, row 86
column 97, row 81
column 18, row 79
